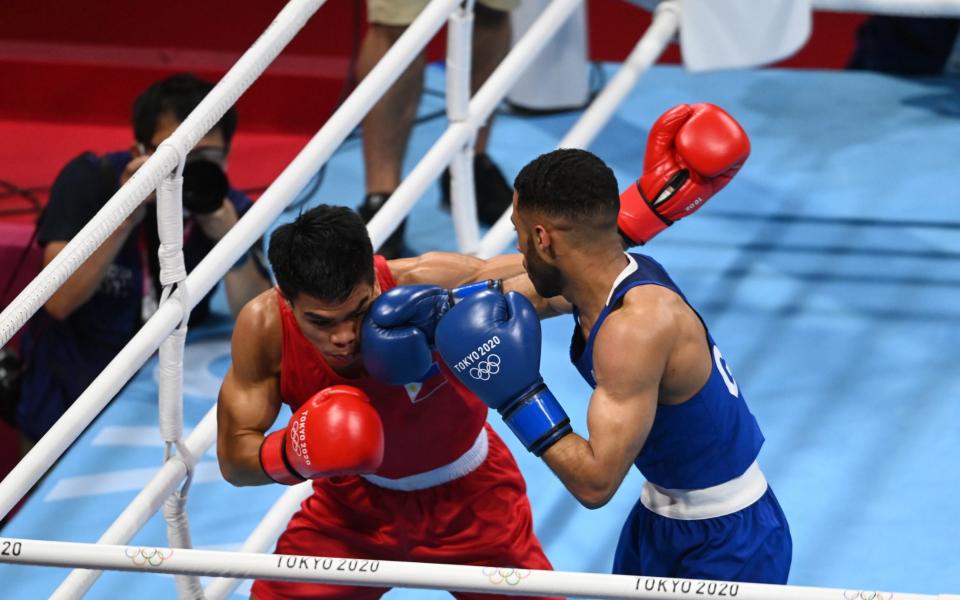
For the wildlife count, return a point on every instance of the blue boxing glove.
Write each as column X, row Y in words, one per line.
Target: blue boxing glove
column 396, row 338
column 491, row 342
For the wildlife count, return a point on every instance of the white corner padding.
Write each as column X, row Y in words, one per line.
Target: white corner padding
column 735, row 34
column 559, row 78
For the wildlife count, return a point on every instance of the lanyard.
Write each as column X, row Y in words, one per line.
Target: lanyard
column 148, row 296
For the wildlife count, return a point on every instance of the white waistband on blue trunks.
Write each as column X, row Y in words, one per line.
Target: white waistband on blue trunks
column 706, row 503
column 468, row 462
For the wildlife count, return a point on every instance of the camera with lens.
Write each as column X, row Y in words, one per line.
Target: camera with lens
column 205, row 184
column 11, row 372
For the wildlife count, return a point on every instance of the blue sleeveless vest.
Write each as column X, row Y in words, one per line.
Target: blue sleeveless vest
column 707, row 440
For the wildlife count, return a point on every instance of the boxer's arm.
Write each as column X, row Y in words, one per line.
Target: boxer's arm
column 621, row 409
column 450, row 270
column 250, row 394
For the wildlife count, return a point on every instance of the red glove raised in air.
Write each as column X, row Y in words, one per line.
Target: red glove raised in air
column 336, row 432
column 692, row 153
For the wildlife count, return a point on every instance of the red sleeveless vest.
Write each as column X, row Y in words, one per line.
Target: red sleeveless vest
column 426, row 425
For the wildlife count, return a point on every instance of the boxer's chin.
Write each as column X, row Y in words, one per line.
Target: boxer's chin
column 342, row 360
column 546, row 279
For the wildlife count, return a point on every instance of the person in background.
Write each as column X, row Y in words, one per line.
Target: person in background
column 907, row 45
column 386, row 128
column 102, row 305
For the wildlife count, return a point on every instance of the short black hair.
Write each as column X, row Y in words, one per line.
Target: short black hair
column 326, row 253
column 570, row 184
column 177, row 95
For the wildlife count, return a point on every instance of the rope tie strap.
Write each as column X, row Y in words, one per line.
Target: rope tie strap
column 170, row 230
column 178, row 534
column 170, row 386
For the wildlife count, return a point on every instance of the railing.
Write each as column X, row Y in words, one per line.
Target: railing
column 386, row 573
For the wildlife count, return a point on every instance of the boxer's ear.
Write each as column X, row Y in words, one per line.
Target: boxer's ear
column 545, row 241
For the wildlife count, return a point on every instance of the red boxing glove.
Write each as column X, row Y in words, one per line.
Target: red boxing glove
column 335, row 432
column 692, row 153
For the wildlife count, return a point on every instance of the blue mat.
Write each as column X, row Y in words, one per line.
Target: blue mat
column 827, row 272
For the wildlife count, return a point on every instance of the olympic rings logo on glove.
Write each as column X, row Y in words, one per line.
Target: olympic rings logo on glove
column 298, row 437
column 485, row 369
column 295, row 434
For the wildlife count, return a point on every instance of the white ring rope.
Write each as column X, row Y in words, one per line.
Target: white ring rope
column 383, row 573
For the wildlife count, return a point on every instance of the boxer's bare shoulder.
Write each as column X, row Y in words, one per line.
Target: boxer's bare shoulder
column 258, row 334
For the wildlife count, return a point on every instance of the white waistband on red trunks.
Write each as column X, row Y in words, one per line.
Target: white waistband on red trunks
column 468, row 462
column 706, row 503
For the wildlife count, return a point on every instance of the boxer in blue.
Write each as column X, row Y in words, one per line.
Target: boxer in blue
column 664, row 398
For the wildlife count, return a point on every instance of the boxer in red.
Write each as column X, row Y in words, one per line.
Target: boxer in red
column 400, row 472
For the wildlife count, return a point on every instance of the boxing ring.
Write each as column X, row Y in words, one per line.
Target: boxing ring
column 165, row 331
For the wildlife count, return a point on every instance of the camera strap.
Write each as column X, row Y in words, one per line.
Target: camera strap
column 148, row 302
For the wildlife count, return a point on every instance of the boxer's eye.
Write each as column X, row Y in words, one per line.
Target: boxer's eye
column 361, row 311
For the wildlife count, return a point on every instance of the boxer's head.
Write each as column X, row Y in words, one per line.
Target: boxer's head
column 563, row 201
column 323, row 263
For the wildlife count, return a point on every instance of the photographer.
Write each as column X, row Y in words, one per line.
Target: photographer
column 103, row 304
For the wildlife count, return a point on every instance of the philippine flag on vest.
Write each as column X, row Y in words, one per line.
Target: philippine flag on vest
column 418, row 391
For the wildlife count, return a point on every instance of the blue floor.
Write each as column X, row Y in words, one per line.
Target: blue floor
column 827, row 271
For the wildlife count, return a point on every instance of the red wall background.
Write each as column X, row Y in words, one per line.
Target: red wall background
column 83, row 62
